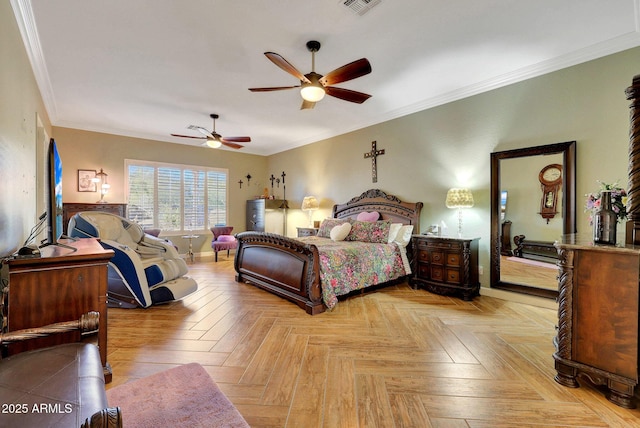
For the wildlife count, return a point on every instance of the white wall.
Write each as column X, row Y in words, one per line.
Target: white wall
column 21, row 142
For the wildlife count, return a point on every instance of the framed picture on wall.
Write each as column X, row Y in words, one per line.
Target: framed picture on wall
column 86, row 182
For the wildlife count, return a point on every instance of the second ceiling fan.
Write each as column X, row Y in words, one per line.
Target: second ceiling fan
column 213, row 139
column 314, row 86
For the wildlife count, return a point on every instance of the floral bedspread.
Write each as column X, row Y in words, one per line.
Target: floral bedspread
column 352, row 265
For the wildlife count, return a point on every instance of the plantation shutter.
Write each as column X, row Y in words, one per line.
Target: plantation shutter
column 176, row 198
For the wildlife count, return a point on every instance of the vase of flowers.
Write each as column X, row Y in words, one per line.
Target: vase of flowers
column 607, row 207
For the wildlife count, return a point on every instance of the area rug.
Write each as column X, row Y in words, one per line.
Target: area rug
column 183, row 396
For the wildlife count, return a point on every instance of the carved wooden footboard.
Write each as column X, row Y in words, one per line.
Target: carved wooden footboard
column 281, row 265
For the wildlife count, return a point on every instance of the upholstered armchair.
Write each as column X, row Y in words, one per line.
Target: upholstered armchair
column 145, row 270
column 223, row 239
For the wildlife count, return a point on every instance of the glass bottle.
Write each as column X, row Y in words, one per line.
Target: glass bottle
column 605, row 221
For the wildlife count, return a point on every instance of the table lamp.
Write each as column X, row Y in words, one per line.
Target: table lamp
column 310, row 204
column 459, row 198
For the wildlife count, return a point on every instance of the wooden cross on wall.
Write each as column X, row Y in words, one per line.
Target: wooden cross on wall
column 373, row 154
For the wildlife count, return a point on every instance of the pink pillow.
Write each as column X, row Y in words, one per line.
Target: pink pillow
column 365, row 216
column 226, row 238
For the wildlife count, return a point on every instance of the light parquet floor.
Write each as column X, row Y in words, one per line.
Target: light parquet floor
column 396, row 357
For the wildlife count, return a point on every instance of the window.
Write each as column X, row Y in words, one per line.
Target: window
column 176, row 198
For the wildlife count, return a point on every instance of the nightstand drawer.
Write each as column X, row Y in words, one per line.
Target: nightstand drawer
column 453, row 276
column 453, row 259
column 437, row 273
column 423, row 271
column 437, row 257
column 423, row 256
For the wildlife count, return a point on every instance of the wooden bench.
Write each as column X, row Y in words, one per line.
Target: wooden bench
column 535, row 250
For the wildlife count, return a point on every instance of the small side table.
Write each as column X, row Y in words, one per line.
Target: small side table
column 307, row 231
column 190, row 238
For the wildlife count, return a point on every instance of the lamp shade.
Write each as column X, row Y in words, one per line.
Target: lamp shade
column 459, row 198
column 310, row 203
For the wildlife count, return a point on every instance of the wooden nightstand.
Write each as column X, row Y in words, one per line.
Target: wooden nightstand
column 307, row 231
column 446, row 265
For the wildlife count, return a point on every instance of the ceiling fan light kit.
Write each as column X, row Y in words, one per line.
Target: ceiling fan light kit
column 214, row 144
column 311, row 92
column 314, row 86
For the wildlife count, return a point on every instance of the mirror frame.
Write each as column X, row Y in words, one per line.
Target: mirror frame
column 568, row 151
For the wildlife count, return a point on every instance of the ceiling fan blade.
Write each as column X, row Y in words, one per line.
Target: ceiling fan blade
column 188, row 136
column 347, row 94
column 236, row 139
column 307, row 105
column 347, row 72
column 276, row 88
column 285, row 65
column 203, row 131
column 232, row 145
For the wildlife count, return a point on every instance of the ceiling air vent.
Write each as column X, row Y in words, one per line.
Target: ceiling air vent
column 359, row 7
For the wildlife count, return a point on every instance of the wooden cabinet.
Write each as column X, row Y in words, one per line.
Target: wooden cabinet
column 446, row 265
column 307, row 231
column 69, row 209
column 598, row 305
column 61, row 285
column 257, row 215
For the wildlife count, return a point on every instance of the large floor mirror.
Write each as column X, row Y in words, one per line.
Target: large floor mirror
column 533, row 203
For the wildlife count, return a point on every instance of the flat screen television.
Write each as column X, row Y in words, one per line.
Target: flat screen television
column 54, row 210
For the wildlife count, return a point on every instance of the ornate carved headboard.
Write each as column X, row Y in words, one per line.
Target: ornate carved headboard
column 388, row 206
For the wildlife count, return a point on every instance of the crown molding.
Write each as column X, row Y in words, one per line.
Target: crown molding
column 29, row 32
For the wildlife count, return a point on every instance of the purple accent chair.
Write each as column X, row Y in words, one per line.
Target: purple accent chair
column 223, row 239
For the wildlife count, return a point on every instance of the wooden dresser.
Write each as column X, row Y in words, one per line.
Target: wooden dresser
column 61, row 285
column 598, row 316
column 256, row 219
column 446, row 265
column 69, row 209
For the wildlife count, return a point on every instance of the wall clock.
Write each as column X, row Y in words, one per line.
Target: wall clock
column 550, row 181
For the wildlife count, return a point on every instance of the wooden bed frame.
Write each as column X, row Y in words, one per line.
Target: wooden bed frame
column 290, row 268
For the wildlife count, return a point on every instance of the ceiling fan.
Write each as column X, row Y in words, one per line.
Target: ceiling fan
column 213, row 139
column 314, row 86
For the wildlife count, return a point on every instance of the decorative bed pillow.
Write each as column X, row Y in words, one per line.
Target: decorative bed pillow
column 328, row 224
column 366, row 216
column 393, row 231
column 367, row 231
column 404, row 235
column 340, row 232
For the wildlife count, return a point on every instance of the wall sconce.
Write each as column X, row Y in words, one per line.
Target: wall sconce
column 459, row 198
column 101, row 182
column 310, row 204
